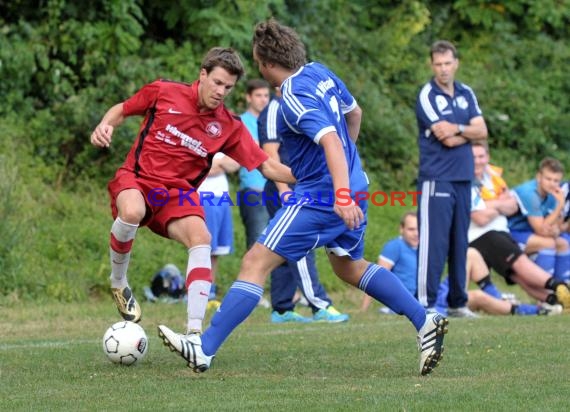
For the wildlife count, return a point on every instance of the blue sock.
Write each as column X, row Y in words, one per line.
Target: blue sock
column 487, row 286
column 239, row 302
column 491, row 289
column 546, row 259
column 562, row 266
column 386, row 288
column 525, row 309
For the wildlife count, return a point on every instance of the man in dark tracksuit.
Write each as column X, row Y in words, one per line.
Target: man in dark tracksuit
column 448, row 117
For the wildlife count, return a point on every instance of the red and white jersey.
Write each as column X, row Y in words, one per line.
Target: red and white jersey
column 176, row 142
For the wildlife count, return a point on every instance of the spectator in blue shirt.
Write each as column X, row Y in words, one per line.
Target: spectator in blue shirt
column 537, row 225
column 400, row 255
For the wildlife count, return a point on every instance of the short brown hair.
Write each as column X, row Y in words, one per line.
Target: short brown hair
column 405, row 216
column 278, row 44
column 551, row 164
column 224, row 57
column 255, row 84
column 442, row 46
column 482, row 143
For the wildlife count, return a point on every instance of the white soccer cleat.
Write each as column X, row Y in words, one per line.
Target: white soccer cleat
column 188, row 346
column 430, row 341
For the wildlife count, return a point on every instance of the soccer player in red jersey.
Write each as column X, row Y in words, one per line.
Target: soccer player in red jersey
column 184, row 126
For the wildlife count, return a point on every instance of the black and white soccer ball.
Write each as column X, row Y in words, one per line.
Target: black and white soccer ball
column 125, row 343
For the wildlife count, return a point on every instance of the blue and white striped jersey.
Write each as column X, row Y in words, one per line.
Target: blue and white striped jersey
column 314, row 101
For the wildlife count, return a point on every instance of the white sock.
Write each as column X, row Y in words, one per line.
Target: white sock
column 122, row 236
column 198, row 283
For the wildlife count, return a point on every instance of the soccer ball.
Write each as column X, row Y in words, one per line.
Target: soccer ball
column 125, row 343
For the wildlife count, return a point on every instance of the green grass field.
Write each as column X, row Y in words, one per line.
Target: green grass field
column 51, row 359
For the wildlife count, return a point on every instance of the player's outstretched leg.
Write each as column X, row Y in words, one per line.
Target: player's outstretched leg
column 430, row 341
column 188, row 346
column 127, row 304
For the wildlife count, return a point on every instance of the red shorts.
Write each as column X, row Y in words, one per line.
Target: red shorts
column 163, row 204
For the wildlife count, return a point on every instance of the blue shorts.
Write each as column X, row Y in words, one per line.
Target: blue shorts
column 220, row 225
column 521, row 237
column 297, row 229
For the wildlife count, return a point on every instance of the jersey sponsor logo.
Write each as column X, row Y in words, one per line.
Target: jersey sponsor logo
column 187, row 141
column 323, row 86
column 172, row 111
column 214, row 129
column 462, row 102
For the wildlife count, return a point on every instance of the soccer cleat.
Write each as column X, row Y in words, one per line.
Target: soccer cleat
column 549, row 310
column 127, row 304
column 330, row 315
column 563, row 296
column 430, row 341
column 288, row 317
column 188, row 346
column 463, row 312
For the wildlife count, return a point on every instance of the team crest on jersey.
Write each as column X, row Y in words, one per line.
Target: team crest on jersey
column 441, row 103
column 214, row 129
column 462, row 102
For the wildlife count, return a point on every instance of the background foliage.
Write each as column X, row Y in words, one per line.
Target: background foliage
column 63, row 63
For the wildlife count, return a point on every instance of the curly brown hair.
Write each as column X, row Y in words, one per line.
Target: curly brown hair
column 278, row 44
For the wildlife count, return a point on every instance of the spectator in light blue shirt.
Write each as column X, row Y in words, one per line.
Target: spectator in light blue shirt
column 537, row 225
column 251, row 206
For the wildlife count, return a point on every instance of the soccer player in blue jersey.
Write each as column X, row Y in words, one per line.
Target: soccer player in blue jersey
column 449, row 118
column 319, row 121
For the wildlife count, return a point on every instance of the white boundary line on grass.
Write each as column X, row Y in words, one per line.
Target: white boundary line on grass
column 45, row 344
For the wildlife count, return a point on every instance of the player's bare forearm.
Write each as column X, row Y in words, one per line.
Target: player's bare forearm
column 453, row 141
column 475, row 130
column 103, row 133
column 277, row 171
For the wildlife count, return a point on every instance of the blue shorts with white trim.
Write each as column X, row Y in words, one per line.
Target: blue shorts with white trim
column 299, row 228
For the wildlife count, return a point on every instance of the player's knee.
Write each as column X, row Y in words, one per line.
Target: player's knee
column 132, row 214
column 561, row 244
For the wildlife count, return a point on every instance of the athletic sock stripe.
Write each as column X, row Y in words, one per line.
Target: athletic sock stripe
column 367, row 276
column 248, row 287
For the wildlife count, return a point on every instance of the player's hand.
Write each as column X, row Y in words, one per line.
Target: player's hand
column 102, row 135
column 558, row 194
column 351, row 214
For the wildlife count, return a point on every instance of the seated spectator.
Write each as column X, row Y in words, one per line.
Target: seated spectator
column 400, row 256
column 489, row 234
column 537, row 224
column 478, row 300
